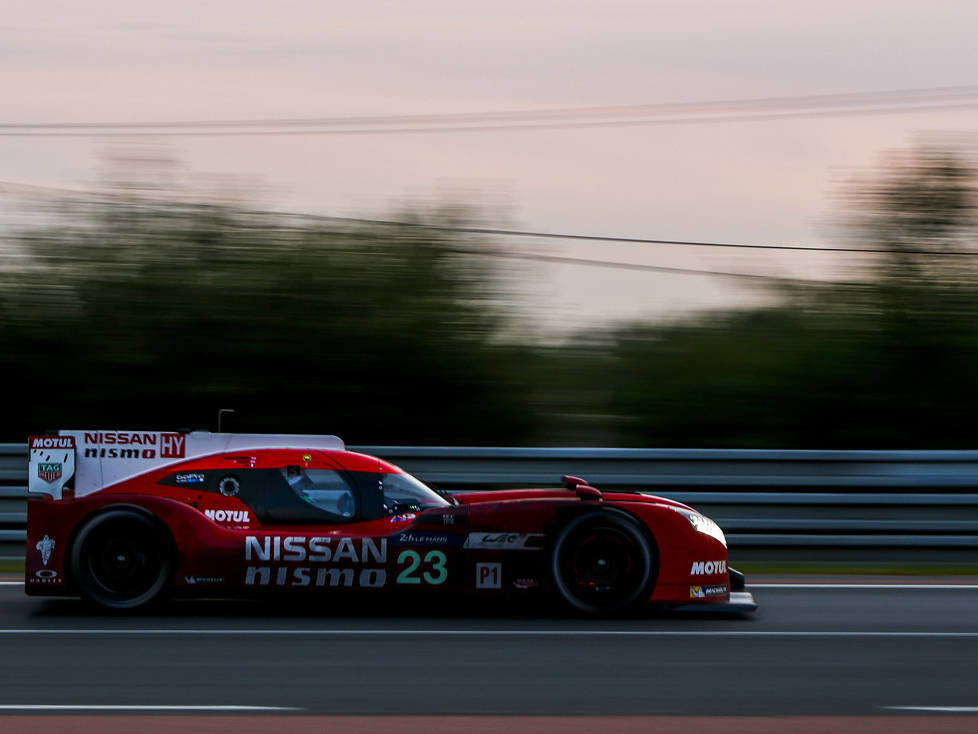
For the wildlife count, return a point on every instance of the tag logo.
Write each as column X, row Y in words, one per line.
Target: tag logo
column 50, row 472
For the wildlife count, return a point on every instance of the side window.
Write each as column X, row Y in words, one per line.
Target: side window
column 322, row 488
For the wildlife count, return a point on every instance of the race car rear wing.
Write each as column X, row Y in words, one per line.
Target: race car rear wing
column 97, row 459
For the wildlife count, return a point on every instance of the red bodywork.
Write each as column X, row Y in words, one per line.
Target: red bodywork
column 488, row 543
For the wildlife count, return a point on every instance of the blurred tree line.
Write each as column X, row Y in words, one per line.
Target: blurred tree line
column 140, row 312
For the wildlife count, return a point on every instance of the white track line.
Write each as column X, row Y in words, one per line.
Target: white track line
column 787, row 585
column 971, row 587
column 940, row 709
column 111, row 707
column 478, row 633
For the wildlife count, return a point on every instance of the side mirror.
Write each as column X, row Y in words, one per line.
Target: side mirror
column 572, row 482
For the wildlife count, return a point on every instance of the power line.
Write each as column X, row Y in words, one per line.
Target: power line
column 561, row 260
column 625, row 240
column 50, row 191
column 756, row 109
column 919, row 94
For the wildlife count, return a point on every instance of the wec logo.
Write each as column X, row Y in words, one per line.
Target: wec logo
column 707, row 568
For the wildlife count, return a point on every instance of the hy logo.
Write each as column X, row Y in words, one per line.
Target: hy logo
column 49, row 472
column 45, row 545
column 173, row 445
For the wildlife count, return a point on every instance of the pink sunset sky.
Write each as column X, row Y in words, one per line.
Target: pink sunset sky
column 769, row 181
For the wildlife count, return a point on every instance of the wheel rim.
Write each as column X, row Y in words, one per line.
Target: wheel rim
column 602, row 567
column 124, row 564
column 601, row 563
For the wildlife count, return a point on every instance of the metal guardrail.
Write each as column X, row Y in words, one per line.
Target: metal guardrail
column 763, row 499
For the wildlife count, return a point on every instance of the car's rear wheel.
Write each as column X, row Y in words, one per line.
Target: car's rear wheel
column 604, row 563
column 121, row 559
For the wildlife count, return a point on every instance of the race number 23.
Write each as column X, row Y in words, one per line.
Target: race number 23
column 432, row 567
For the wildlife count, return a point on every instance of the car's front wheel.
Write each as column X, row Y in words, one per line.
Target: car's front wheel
column 603, row 563
column 121, row 559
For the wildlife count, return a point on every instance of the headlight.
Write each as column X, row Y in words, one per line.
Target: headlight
column 706, row 526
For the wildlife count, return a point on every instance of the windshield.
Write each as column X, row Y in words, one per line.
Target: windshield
column 404, row 493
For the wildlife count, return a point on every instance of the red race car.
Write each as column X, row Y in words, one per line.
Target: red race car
column 124, row 518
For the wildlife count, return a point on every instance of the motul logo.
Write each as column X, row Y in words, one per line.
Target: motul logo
column 707, row 568
column 239, row 516
column 52, row 442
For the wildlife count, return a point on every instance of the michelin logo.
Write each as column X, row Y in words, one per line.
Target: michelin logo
column 703, row 592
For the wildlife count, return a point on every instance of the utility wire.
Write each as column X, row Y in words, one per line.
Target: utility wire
column 905, row 96
column 769, row 108
column 604, row 238
column 561, row 260
column 53, row 192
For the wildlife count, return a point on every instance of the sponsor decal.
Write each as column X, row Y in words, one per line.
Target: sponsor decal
column 173, row 445
column 52, row 442
column 448, row 519
column 229, row 486
column 45, row 545
column 488, row 575
column 204, row 579
column 403, row 518
column 426, row 539
column 366, row 578
column 525, row 583
column 46, row 576
column 707, row 568
column 189, row 478
column 315, row 549
column 702, row 592
column 307, row 458
column 432, row 569
column 50, row 472
column 232, row 516
column 500, row 540
column 137, row 445
column 334, row 551
column 51, row 465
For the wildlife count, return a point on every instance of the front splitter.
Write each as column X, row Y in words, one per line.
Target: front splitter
column 741, row 602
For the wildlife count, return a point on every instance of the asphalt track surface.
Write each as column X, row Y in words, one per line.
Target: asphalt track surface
column 898, row 652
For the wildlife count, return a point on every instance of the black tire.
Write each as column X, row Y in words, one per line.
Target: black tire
column 121, row 559
column 603, row 563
